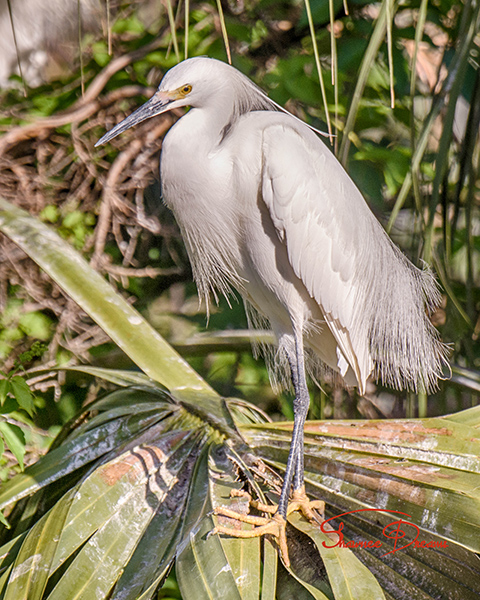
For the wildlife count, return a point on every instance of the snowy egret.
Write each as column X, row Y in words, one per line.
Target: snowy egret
column 264, row 207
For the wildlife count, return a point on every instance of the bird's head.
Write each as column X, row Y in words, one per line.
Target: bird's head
column 190, row 83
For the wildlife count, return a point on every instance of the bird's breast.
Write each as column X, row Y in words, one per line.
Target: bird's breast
column 215, row 195
column 200, row 188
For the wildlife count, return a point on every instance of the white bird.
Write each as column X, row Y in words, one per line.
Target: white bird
column 264, row 207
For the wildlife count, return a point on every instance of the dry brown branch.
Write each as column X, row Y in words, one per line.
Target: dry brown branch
column 35, row 129
column 109, row 196
column 85, row 106
column 117, row 64
column 60, row 175
column 81, row 113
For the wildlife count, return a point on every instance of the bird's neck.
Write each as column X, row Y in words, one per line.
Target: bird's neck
column 193, row 142
column 205, row 126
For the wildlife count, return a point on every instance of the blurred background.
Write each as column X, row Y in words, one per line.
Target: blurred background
column 396, row 84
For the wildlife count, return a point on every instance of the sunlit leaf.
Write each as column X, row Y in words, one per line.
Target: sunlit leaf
column 211, row 566
column 4, row 389
column 15, row 440
column 347, row 576
column 116, row 317
column 22, row 394
column 73, row 455
column 31, row 569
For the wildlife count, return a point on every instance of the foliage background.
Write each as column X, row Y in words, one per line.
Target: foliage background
column 417, row 164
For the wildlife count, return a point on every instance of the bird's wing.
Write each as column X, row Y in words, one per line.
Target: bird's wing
column 329, row 231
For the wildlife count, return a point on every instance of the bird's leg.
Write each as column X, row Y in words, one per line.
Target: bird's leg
column 276, row 525
column 299, row 499
column 295, row 462
column 294, row 469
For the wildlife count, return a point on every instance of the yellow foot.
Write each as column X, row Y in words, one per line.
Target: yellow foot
column 307, row 507
column 274, row 525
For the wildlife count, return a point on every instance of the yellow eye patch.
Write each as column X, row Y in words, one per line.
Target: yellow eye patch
column 184, row 91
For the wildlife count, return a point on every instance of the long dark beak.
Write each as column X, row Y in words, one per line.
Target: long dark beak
column 157, row 104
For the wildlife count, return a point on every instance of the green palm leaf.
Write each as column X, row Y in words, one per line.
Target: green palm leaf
column 131, row 484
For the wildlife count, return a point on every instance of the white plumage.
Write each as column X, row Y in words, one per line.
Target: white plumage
column 264, row 207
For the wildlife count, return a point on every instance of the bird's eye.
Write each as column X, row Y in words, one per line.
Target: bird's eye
column 186, row 89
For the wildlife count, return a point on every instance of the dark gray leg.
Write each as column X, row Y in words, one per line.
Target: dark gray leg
column 276, row 524
column 294, row 469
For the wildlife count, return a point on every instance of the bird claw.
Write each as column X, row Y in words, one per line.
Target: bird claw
column 273, row 525
column 307, row 507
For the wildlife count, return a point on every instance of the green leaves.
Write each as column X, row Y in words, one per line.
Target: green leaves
column 33, row 562
column 22, row 394
column 132, row 483
column 204, row 567
column 125, row 326
column 132, row 488
column 15, row 395
column 4, row 389
column 426, row 468
column 103, row 433
column 140, row 481
column 14, row 438
column 17, row 388
column 146, row 499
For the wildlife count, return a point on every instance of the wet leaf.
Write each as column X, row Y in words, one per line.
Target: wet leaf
column 425, row 468
column 163, row 532
column 348, row 577
column 114, row 483
column 216, row 566
column 142, row 479
column 72, row 455
column 29, row 576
